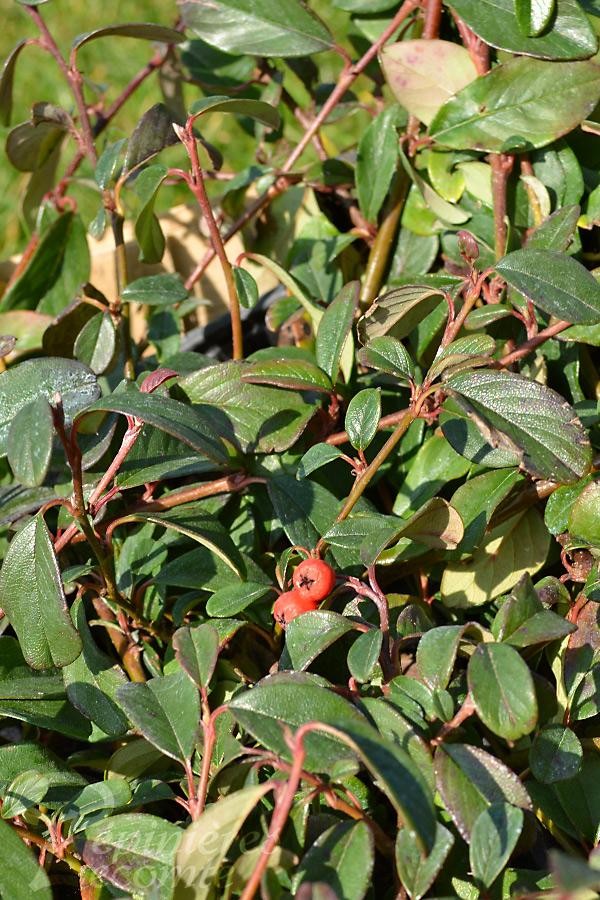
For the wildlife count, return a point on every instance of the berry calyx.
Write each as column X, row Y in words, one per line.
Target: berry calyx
column 314, row 579
column 290, row 605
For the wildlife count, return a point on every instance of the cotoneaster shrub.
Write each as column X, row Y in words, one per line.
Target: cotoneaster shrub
column 401, row 437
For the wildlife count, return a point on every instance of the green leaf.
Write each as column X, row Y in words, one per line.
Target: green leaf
column 550, row 437
column 400, row 309
column 30, row 147
column 316, row 456
column 434, row 465
column 197, row 650
column 206, row 841
column 92, row 681
column 470, row 780
column 7, row 77
column 557, row 231
column 464, row 353
column 147, row 227
column 477, row 499
column 295, row 374
column 32, row 597
column 307, row 636
column 519, row 105
column 44, row 378
column 102, row 797
column 555, row 282
column 436, row 655
column 133, row 851
column 418, row 871
column 515, row 547
column 268, row 28
column 493, row 839
column 166, row 710
column 109, row 164
column 246, row 287
column 423, row 74
column 20, row 874
column 25, row 791
column 362, row 417
column 293, row 700
column 96, row 343
column 146, row 31
column 555, row 754
column 155, row 290
column 335, row 328
column 388, row 355
column 446, row 212
column 364, row 654
column 341, row 857
column 534, row 16
column 584, row 518
column 463, row 432
column 29, row 444
column 27, row 756
column 187, row 423
column 570, row 37
column 376, row 160
column 255, row 109
column 234, row 598
column 502, row 690
column 153, row 133
column 55, row 273
column 251, row 416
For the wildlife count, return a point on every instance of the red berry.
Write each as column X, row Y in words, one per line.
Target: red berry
column 314, row 579
column 290, row 605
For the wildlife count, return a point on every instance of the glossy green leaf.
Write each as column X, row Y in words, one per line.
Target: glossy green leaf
column 29, row 443
column 334, row 329
column 246, row 287
column 133, row 851
column 307, row 636
column 362, row 417
column 493, row 839
column 461, row 430
column 96, row 343
column 102, row 797
column 249, row 415
column 60, row 265
column 570, row 36
column 166, row 710
column 557, row 231
column 477, row 499
column 206, row 841
column 436, row 655
column 555, row 282
column 418, row 871
column 109, row 163
column 376, row 161
column 7, row 77
column 584, row 518
column 231, row 600
column 432, row 467
column 534, row 419
column 255, row 109
column 341, row 857
column 155, row 290
column 197, row 650
column 534, row 16
column 445, row 212
column 148, row 231
column 519, row 105
column 32, row 597
column 464, row 353
column 555, row 754
column 502, row 690
column 398, row 311
column 268, row 28
column 153, row 133
column 316, row 456
column 470, row 780
column 20, row 874
column 25, row 791
column 364, row 654
column 146, row 31
column 423, row 74
column 187, row 423
column 30, row 147
column 388, row 355
column 296, row 374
